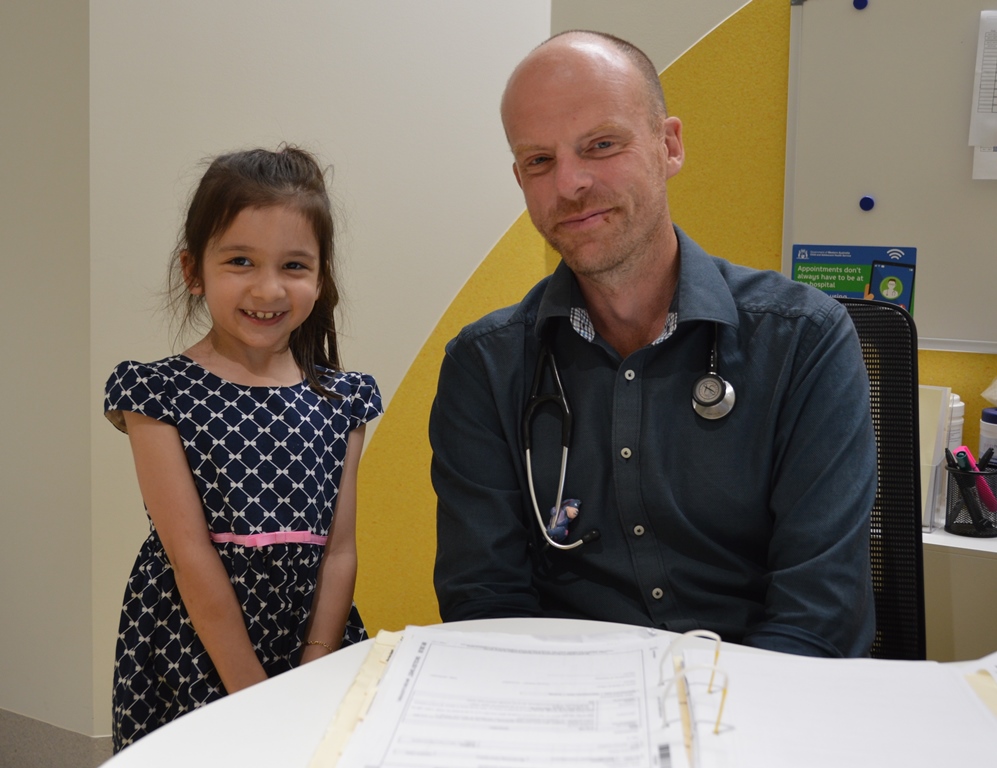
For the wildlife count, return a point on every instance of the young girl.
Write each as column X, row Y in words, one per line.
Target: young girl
column 246, row 449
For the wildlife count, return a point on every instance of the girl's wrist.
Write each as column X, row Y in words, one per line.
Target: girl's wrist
column 328, row 647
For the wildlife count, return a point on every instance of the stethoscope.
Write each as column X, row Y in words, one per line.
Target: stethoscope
column 712, row 398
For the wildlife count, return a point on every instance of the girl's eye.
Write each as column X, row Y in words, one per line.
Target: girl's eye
column 295, row 265
column 239, row 261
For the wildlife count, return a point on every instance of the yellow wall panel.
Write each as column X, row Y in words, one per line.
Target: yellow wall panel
column 730, row 92
column 396, row 526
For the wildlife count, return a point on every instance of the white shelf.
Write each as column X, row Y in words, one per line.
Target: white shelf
column 940, row 539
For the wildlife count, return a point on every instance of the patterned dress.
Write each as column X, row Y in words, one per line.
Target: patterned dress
column 266, row 460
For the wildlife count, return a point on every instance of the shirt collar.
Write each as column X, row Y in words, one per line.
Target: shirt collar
column 703, row 294
column 582, row 324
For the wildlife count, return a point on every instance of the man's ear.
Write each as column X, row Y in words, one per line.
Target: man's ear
column 671, row 136
column 515, row 172
column 189, row 275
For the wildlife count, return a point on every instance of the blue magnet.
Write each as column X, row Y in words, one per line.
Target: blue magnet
column 866, row 203
column 860, row 4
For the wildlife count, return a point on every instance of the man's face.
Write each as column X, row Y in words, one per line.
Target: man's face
column 590, row 158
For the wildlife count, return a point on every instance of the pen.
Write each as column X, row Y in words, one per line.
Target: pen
column 985, row 460
column 950, row 459
column 963, row 461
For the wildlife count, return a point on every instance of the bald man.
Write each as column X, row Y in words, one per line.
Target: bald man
column 721, row 461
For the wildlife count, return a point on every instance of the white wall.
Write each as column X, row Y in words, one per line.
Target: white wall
column 401, row 96
column 45, row 589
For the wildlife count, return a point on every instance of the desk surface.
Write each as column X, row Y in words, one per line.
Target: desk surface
column 282, row 721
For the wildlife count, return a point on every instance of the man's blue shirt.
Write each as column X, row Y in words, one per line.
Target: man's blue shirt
column 755, row 525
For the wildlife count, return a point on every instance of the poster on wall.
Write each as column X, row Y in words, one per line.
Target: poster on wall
column 884, row 273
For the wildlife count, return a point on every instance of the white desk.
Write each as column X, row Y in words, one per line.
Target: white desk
column 249, row 731
column 282, row 721
column 960, row 596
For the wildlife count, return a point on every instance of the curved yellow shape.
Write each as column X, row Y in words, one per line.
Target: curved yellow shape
column 730, row 91
column 396, row 524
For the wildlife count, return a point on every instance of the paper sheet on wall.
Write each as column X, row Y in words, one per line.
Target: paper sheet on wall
column 983, row 113
column 985, row 162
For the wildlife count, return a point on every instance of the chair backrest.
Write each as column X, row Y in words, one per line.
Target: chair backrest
column 889, row 347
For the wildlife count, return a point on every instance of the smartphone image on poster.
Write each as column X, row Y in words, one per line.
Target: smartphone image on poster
column 892, row 282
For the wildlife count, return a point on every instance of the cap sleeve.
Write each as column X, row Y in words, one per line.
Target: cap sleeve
column 138, row 388
column 365, row 401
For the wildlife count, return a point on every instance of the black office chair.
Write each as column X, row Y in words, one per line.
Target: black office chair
column 889, row 346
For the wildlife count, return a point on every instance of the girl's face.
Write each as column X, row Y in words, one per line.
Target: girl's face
column 260, row 279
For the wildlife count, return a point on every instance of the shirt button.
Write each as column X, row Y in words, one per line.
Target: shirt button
column 629, row 375
column 638, row 530
column 657, row 593
column 626, row 453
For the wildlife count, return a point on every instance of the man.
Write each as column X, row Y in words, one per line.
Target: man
column 751, row 520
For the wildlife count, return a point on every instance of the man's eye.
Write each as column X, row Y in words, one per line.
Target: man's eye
column 604, row 144
column 537, row 161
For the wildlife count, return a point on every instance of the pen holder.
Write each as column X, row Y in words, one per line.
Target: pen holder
column 971, row 508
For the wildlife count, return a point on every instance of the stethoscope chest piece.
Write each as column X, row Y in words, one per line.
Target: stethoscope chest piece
column 712, row 396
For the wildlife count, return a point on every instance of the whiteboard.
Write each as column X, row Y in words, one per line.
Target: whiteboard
column 879, row 105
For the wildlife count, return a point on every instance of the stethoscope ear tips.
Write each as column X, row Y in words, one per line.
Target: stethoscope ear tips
column 712, row 397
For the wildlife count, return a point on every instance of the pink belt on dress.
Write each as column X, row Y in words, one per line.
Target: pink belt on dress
column 269, row 539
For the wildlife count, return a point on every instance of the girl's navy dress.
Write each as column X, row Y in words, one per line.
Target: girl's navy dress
column 265, row 460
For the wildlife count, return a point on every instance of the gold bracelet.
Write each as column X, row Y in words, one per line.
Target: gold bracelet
column 328, row 647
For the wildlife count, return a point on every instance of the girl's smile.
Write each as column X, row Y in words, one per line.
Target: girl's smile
column 263, row 315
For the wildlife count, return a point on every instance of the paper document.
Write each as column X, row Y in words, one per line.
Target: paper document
column 790, row 711
column 467, row 699
column 464, row 699
column 983, row 113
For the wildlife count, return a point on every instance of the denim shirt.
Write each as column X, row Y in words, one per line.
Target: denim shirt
column 755, row 525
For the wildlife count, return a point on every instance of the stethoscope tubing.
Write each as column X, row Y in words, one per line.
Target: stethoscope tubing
column 715, row 409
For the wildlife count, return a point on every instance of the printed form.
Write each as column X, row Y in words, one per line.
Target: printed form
column 983, row 114
column 458, row 699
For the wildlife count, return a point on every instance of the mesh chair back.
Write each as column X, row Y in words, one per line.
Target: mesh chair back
column 889, row 347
